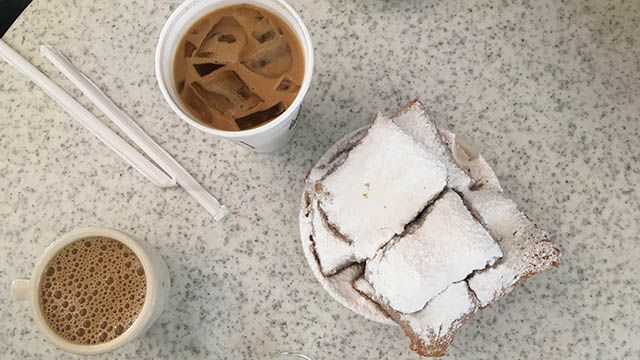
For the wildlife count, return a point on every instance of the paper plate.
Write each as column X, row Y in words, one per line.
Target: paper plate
column 339, row 285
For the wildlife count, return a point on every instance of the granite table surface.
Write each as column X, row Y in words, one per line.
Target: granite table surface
column 549, row 91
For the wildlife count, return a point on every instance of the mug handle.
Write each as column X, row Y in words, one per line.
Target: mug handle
column 20, row 289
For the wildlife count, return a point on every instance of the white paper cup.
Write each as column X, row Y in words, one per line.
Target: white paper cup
column 267, row 138
column 158, row 284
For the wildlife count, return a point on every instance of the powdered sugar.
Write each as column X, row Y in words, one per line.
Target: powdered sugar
column 527, row 249
column 443, row 313
column 383, row 183
column 445, row 246
column 436, row 323
column 365, row 288
column 342, row 283
column 491, row 284
column 415, row 122
column 333, row 252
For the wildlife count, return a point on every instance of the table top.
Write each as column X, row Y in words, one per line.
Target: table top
column 549, row 92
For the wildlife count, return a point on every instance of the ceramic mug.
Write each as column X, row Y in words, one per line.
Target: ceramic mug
column 158, row 284
column 290, row 356
column 263, row 139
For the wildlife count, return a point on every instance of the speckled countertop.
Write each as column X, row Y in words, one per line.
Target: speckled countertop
column 548, row 90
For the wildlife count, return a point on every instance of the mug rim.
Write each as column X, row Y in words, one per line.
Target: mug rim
column 308, row 54
column 54, row 248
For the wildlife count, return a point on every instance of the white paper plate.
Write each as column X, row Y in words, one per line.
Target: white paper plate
column 339, row 286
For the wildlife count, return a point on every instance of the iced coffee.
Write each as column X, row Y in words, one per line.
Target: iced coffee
column 238, row 68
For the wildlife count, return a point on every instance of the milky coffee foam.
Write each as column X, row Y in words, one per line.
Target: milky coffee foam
column 92, row 290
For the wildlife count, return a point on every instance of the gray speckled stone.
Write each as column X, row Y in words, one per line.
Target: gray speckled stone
column 548, row 90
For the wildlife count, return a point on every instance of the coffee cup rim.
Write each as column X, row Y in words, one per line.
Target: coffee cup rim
column 303, row 36
column 138, row 325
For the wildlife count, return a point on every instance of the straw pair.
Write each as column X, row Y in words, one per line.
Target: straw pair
column 168, row 172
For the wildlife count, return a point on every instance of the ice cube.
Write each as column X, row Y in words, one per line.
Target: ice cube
column 248, row 16
column 264, row 31
column 260, row 117
column 224, row 42
column 197, row 106
column 270, row 59
column 200, row 27
column 287, row 85
column 180, row 86
column 205, row 69
column 189, row 49
column 226, row 92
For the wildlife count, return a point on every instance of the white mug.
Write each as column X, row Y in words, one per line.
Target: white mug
column 263, row 139
column 290, row 355
column 158, row 284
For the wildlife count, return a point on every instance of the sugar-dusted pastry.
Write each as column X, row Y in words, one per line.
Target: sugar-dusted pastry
column 432, row 329
column 405, row 220
column 445, row 245
column 526, row 248
column 372, row 195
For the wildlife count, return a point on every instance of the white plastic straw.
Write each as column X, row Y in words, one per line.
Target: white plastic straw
column 135, row 132
column 102, row 102
column 86, row 118
column 106, row 135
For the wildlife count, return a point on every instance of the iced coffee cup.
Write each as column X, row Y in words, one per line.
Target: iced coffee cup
column 236, row 69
